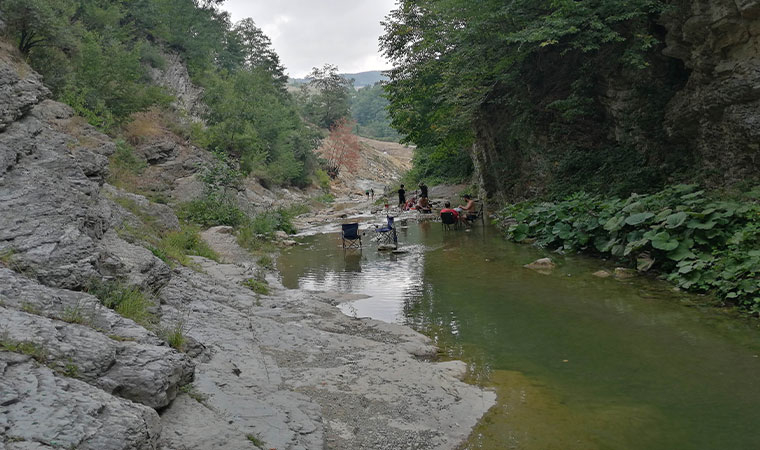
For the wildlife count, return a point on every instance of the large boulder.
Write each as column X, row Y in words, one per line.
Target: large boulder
column 47, row 410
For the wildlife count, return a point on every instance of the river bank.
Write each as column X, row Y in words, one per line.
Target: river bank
column 293, row 371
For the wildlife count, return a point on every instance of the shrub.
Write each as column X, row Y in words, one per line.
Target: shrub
column 144, row 126
column 266, row 262
column 326, row 198
column 178, row 244
column 212, row 210
column 699, row 242
column 128, row 301
column 259, row 286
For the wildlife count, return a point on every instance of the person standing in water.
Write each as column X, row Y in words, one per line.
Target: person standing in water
column 401, row 197
column 372, row 193
column 423, row 189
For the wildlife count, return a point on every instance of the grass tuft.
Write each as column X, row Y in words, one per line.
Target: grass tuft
column 259, row 286
column 128, row 301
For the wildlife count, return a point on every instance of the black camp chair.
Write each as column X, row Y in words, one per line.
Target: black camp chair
column 448, row 220
column 471, row 218
column 350, row 236
column 387, row 234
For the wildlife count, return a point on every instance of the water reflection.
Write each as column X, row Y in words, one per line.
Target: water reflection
column 579, row 362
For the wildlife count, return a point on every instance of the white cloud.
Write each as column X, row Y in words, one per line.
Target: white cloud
column 309, row 33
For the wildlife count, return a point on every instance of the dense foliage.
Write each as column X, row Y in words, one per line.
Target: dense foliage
column 530, row 70
column 325, row 99
column 699, row 242
column 369, row 108
column 97, row 55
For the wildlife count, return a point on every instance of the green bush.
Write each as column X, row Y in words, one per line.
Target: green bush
column 212, row 210
column 259, row 286
column 699, row 242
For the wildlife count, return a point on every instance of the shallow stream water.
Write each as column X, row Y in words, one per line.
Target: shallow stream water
column 578, row 362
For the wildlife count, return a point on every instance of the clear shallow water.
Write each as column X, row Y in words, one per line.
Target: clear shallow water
column 577, row 361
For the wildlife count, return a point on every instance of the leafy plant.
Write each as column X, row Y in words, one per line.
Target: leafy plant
column 699, row 242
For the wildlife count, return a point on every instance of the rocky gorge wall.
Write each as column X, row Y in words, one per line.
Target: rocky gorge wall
column 693, row 115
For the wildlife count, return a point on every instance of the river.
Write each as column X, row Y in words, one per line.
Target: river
column 578, row 362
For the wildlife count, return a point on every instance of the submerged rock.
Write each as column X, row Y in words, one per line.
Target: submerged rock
column 602, row 274
column 541, row 264
column 623, row 273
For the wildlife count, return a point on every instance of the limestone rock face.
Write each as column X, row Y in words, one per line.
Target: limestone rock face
column 718, row 111
column 143, row 373
column 176, row 79
column 39, row 406
column 54, row 220
column 20, row 88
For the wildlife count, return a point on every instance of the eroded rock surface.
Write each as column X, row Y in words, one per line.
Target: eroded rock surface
column 40, row 409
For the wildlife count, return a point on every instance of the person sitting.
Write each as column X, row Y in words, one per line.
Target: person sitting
column 423, row 205
column 447, row 209
column 410, row 204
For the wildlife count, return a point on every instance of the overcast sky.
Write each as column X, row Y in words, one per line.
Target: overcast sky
column 309, row 33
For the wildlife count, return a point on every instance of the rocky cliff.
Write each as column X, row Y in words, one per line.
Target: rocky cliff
column 691, row 115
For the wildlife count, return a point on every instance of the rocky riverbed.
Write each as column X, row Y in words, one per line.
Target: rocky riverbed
column 285, row 370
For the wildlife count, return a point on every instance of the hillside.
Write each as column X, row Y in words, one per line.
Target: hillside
column 361, row 79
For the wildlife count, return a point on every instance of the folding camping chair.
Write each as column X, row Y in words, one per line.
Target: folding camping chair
column 448, row 220
column 387, row 233
column 350, row 236
column 472, row 217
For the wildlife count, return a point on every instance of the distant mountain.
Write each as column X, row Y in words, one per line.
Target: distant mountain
column 361, row 79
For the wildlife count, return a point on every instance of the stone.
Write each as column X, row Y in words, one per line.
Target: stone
column 602, row 274
column 20, row 88
column 143, row 373
column 541, row 264
column 60, row 412
column 159, row 151
column 622, row 273
column 279, row 234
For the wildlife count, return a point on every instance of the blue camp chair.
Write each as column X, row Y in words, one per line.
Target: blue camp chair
column 350, row 236
column 387, row 234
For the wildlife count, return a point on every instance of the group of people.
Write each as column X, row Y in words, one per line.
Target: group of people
column 461, row 212
column 423, row 204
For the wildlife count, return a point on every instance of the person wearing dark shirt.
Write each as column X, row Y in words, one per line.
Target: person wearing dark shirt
column 423, row 190
column 401, row 197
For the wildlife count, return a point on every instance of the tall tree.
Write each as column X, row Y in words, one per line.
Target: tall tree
column 257, row 51
column 38, row 23
column 328, row 96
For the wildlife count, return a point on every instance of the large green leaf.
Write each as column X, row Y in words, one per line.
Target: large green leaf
column 699, row 225
column 638, row 218
column 676, row 220
column 615, row 223
column 663, row 241
column 683, row 251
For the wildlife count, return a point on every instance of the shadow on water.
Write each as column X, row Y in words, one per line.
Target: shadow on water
column 577, row 361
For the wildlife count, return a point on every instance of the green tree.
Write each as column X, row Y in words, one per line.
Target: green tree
column 257, row 51
column 327, row 96
column 39, row 23
column 369, row 108
column 457, row 61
